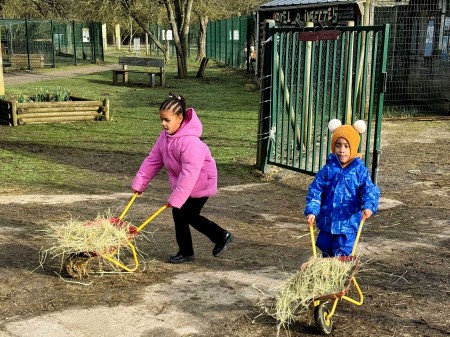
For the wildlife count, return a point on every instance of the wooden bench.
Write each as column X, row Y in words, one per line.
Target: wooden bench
column 132, row 61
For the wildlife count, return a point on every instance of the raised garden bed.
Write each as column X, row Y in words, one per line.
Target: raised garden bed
column 75, row 109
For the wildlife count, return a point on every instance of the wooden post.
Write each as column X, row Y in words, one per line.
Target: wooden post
column 106, row 107
column 2, row 82
column 104, row 39
column 366, row 22
column 308, row 122
column 14, row 112
column 117, row 34
column 287, row 97
column 349, row 63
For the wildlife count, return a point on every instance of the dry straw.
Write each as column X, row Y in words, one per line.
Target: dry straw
column 97, row 237
column 317, row 277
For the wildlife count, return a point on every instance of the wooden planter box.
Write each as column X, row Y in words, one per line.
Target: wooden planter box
column 77, row 109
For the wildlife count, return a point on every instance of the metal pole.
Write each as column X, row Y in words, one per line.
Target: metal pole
column 28, row 44
column 266, row 93
column 74, row 43
column 53, row 45
column 382, row 80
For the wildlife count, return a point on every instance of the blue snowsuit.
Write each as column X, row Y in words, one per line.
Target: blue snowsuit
column 337, row 197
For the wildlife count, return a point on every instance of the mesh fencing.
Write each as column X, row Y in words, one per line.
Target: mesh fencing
column 28, row 44
column 164, row 36
column 232, row 41
column 418, row 71
column 418, row 61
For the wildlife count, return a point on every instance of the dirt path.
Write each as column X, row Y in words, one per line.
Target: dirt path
column 405, row 251
column 20, row 77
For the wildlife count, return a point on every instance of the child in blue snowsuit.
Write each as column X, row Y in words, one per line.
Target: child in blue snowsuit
column 342, row 192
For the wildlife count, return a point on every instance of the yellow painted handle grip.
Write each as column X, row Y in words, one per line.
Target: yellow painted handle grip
column 361, row 224
column 154, row 215
column 311, row 232
column 128, row 206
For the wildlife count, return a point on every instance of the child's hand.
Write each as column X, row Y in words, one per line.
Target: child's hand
column 137, row 192
column 310, row 218
column 367, row 213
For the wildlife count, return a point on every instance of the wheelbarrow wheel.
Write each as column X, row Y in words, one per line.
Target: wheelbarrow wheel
column 77, row 265
column 324, row 324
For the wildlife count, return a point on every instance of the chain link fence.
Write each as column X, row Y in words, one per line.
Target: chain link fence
column 419, row 61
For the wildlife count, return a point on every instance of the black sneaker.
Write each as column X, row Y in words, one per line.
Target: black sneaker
column 222, row 246
column 180, row 258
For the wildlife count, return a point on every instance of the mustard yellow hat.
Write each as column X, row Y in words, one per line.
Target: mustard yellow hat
column 350, row 132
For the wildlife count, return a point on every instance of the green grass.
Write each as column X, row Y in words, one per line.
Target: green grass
column 89, row 157
column 400, row 112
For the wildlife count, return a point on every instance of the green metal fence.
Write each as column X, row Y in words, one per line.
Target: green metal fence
column 231, row 41
column 163, row 35
column 313, row 75
column 36, row 43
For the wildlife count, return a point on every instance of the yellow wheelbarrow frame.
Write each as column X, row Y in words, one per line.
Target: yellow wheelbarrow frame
column 322, row 315
column 112, row 255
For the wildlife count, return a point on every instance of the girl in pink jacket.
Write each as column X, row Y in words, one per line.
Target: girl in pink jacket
column 192, row 176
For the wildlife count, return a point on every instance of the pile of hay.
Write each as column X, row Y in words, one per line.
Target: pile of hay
column 317, row 277
column 97, row 237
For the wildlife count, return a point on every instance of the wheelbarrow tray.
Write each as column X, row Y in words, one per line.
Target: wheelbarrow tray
column 343, row 292
column 83, row 258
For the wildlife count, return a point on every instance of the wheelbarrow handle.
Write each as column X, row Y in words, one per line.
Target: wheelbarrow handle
column 361, row 224
column 128, row 206
column 154, row 215
column 311, row 232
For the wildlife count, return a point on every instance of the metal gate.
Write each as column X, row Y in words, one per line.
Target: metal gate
column 312, row 75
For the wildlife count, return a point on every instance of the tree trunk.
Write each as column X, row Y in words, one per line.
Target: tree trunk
column 201, row 70
column 167, row 52
column 181, row 48
column 201, row 50
column 179, row 15
column 131, row 35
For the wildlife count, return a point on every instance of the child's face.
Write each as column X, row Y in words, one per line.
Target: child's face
column 342, row 150
column 170, row 121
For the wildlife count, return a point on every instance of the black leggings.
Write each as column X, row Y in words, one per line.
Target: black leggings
column 189, row 214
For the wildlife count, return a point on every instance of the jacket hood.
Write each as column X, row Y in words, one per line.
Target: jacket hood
column 191, row 126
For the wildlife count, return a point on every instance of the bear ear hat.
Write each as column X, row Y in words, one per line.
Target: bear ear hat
column 334, row 124
column 359, row 125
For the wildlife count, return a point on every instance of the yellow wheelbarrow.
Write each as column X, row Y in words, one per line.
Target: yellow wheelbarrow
column 76, row 264
column 322, row 314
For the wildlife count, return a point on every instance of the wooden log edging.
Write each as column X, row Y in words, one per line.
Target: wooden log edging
column 34, row 120
column 77, row 109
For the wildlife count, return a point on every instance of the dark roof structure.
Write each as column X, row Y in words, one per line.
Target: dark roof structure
column 287, row 4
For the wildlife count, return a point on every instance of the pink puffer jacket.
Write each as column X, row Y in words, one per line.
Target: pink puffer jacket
column 191, row 168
